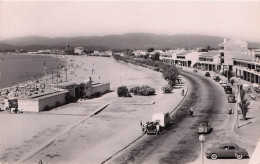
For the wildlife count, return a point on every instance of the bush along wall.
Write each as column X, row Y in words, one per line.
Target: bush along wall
column 144, row 90
column 123, row 92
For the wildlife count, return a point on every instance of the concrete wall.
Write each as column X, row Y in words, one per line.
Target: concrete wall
column 38, row 104
column 51, row 100
column 101, row 88
column 28, row 105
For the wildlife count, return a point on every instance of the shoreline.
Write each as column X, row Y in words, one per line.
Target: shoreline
column 41, row 75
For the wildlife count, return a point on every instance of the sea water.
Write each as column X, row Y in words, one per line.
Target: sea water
column 17, row 68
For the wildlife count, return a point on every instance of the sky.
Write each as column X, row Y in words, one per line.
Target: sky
column 231, row 19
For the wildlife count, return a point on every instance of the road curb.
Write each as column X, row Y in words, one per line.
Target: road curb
column 150, row 103
column 240, row 137
column 50, row 141
column 187, row 89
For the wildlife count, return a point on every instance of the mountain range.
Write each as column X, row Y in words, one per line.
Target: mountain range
column 125, row 41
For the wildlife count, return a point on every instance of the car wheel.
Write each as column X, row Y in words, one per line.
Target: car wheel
column 214, row 156
column 239, row 156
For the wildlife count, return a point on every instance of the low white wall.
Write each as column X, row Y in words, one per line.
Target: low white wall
column 38, row 104
column 28, row 105
column 101, row 88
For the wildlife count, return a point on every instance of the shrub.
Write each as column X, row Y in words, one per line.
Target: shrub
column 123, row 92
column 95, row 95
column 134, row 90
column 144, row 90
column 57, row 103
column 167, row 89
column 46, row 108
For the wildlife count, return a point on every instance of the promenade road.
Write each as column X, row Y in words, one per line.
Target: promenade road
column 179, row 143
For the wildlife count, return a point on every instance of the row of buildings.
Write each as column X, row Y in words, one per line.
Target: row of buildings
column 233, row 54
column 70, row 51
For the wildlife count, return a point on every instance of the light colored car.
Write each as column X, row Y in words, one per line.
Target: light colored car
column 226, row 150
column 204, row 127
column 231, row 99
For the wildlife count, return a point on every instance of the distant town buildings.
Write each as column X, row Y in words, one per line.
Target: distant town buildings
column 79, row 50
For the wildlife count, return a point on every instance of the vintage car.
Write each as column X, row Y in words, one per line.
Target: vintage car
column 257, row 89
column 207, row 74
column 226, row 150
column 217, row 79
column 151, row 128
column 163, row 119
column 231, row 99
column 226, row 86
column 222, row 82
column 204, row 127
column 228, row 90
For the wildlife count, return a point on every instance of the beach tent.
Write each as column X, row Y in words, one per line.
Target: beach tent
column 255, row 159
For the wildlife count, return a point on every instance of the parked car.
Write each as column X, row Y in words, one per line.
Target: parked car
column 226, row 150
column 207, row 74
column 228, row 90
column 226, row 86
column 224, row 83
column 231, row 99
column 221, row 81
column 257, row 89
column 217, row 79
column 204, row 127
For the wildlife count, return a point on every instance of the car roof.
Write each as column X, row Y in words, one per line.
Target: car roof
column 229, row 144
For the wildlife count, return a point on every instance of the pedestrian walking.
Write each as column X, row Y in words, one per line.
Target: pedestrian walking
column 182, row 92
column 229, row 111
column 157, row 128
column 144, row 129
column 191, row 111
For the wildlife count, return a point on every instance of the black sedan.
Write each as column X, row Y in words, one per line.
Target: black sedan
column 226, row 150
column 207, row 74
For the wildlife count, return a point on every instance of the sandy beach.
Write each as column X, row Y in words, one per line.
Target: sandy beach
column 109, row 131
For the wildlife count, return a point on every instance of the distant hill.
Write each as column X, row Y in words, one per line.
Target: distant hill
column 125, row 41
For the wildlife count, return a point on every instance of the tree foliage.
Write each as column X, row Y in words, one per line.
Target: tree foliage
column 170, row 73
column 244, row 102
column 123, row 92
column 150, row 49
column 155, row 56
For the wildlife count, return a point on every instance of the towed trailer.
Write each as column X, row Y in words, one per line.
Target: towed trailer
column 162, row 119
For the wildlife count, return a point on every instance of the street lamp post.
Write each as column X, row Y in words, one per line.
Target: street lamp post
column 202, row 139
column 238, row 100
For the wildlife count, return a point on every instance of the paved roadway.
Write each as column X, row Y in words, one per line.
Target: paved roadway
column 179, row 142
